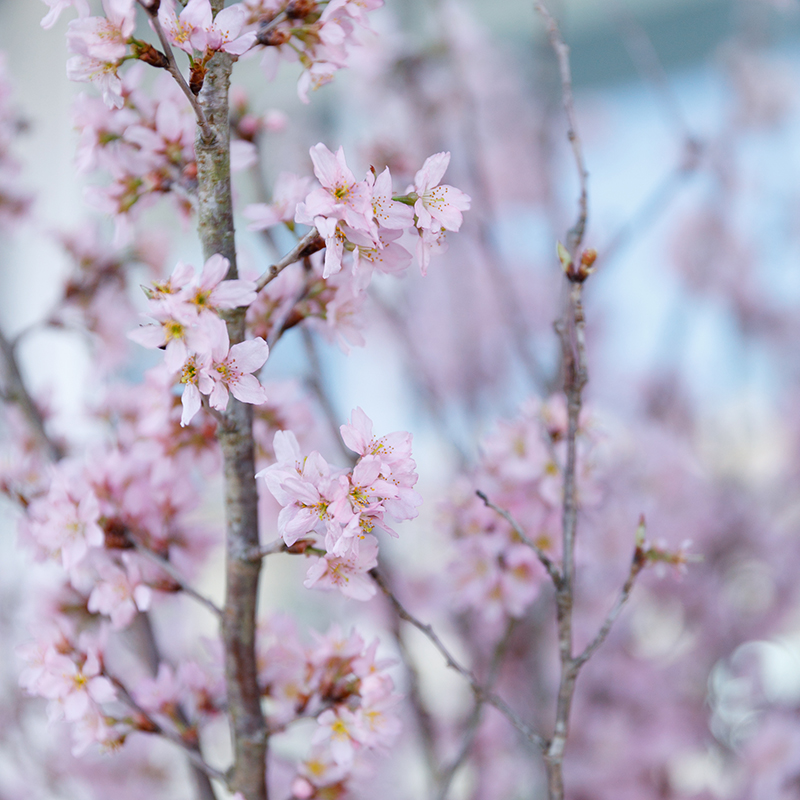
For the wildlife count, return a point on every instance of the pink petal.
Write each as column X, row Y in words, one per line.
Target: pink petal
column 248, row 390
column 432, row 172
column 250, row 355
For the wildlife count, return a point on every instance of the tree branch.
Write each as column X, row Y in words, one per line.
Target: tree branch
column 575, row 234
column 637, row 564
column 164, row 564
column 191, row 752
column 547, row 563
column 216, row 230
column 570, row 330
column 308, row 245
column 481, row 692
column 17, row 392
column 475, row 717
column 175, row 71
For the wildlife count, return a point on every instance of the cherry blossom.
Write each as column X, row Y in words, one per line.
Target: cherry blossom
column 57, row 6
column 231, row 371
column 438, row 206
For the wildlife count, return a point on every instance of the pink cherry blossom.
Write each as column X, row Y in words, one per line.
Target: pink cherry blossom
column 438, row 206
column 189, row 30
column 57, row 6
column 348, row 574
column 231, row 371
column 341, row 197
column 119, row 594
column 103, row 38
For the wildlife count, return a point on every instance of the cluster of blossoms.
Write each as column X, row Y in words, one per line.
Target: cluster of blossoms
column 340, row 682
column 494, row 572
column 146, row 145
column 317, row 34
column 195, row 337
column 365, row 218
column 66, row 666
column 340, row 510
column 71, row 676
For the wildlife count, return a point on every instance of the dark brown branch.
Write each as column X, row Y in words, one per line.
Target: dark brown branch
column 308, row 245
column 547, row 563
column 481, row 692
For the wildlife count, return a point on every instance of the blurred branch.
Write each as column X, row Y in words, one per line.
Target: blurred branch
column 419, row 374
column 419, row 709
column 143, row 626
column 475, row 717
column 17, row 392
column 575, row 234
column 547, row 563
column 153, row 727
column 315, row 382
column 658, row 200
column 481, row 692
column 645, row 58
column 165, row 565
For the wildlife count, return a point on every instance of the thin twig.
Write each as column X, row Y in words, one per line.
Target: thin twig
column 176, row 73
column 547, row 563
column 309, row 244
column 315, row 382
column 637, row 564
column 474, row 721
column 164, row 564
column 192, row 754
column 575, row 234
column 480, row 691
column 422, row 715
column 277, row 546
column 570, row 330
column 152, row 658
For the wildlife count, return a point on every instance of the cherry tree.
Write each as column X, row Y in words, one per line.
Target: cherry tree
column 460, row 633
